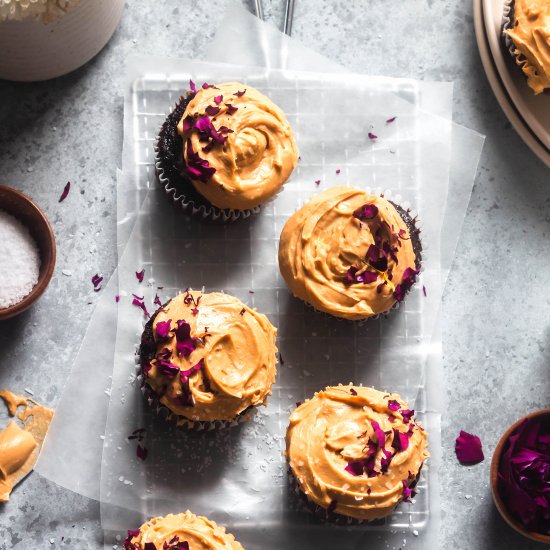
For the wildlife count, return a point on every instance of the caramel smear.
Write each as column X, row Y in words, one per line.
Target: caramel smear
column 20, row 446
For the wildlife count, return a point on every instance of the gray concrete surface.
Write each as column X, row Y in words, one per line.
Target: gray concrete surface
column 496, row 321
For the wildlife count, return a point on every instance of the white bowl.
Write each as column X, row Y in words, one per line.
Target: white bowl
column 34, row 51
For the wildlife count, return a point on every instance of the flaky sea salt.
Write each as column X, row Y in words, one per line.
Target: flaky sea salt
column 19, row 261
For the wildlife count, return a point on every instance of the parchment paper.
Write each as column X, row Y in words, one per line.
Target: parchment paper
column 70, row 471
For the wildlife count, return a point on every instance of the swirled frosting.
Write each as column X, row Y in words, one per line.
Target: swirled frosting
column 221, row 360
column 166, row 532
column 323, row 248
column 334, row 450
column 258, row 154
column 531, row 37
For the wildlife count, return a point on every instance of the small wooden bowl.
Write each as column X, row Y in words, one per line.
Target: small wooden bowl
column 25, row 210
column 499, row 503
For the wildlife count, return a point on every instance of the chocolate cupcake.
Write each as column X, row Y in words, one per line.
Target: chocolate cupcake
column 527, row 37
column 225, row 150
column 350, row 254
column 207, row 358
column 355, row 452
column 180, row 532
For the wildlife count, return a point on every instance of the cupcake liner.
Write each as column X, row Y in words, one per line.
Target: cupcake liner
column 333, row 518
column 410, row 217
column 162, row 410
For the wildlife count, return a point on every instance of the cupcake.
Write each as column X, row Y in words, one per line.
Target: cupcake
column 207, row 357
column 225, row 150
column 355, row 452
column 349, row 253
column 180, row 532
column 527, row 35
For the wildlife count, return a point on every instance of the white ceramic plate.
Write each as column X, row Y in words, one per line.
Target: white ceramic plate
column 517, row 101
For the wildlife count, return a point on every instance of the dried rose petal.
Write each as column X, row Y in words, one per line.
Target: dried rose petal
column 317, row 182
column 157, row 301
column 338, row 171
column 163, row 329
column 376, row 258
column 192, row 86
column 400, row 440
column 332, row 506
column 96, row 281
column 211, row 110
column 185, row 344
column 240, row 94
column 355, row 467
column 218, row 99
column 138, row 302
column 140, row 275
column 390, row 120
column 196, row 167
column 409, row 278
column 366, row 212
column 117, row 298
column 394, row 405
column 205, row 86
column 188, row 123
column 353, row 276
column 468, row 448
column 167, row 369
column 424, row 290
column 407, row 414
column 149, row 546
column 380, row 435
column 65, row 192
column 372, row 136
column 407, row 492
column 231, row 108
column 141, row 452
column 352, row 391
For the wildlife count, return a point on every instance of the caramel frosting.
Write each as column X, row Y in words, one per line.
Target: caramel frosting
column 531, row 37
column 19, row 447
column 259, row 152
column 321, row 242
column 165, row 532
column 233, row 363
column 338, row 428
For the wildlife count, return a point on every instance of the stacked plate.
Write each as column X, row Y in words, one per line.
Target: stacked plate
column 529, row 114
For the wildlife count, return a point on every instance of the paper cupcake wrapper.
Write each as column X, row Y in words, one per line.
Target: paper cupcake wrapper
column 334, row 518
column 405, row 205
column 205, row 211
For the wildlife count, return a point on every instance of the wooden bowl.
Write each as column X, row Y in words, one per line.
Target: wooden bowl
column 499, row 503
column 25, row 210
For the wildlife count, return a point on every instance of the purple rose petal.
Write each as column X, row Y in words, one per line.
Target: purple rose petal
column 407, row 414
column 65, row 192
column 195, row 167
column 141, row 452
column 211, row 110
column 390, row 120
column 240, row 94
column 163, row 329
column 468, row 448
column 394, row 405
column 192, row 86
column 372, row 136
column 138, row 302
column 231, row 108
column 400, row 440
column 218, row 99
column 96, row 281
column 140, row 275
column 366, row 212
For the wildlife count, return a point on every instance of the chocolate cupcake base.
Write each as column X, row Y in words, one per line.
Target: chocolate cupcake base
column 169, row 168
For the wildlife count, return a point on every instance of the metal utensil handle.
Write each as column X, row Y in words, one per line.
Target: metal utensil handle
column 259, row 9
column 289, row 15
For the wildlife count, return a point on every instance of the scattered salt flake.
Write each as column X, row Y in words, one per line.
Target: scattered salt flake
column 52, row 541
column 65, row 192
column 467, row 497
column 415, row 533
column 67, row 272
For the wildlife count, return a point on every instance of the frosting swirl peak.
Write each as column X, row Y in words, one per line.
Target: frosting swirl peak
column 254, row 151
